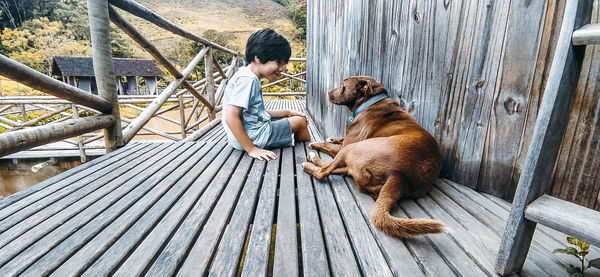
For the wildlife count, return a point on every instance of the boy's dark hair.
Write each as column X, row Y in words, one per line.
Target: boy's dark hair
column 267, row 45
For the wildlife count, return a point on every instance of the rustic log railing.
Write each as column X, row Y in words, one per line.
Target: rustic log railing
column 206, row 93
column 299, row 77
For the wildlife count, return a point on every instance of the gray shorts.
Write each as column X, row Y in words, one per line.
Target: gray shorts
column 281, row 134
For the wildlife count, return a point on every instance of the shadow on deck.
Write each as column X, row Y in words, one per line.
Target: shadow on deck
column 166, row 209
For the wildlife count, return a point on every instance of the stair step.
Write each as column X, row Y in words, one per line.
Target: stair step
column 566, row 217
column 587, row 35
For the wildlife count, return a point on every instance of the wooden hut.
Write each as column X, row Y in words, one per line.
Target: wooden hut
column 471, row 72
column 79, row 72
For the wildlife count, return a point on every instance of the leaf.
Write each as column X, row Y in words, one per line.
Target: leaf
column 585, row 245
column 568, row 251
column 572, row 240
column 574, row 271
column 594, row 263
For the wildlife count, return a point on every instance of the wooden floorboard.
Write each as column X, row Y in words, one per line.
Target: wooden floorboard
column 203, row 208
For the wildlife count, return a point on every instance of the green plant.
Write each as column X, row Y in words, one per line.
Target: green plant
column 584, row 250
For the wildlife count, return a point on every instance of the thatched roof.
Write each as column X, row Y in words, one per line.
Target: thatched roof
column 83, row 66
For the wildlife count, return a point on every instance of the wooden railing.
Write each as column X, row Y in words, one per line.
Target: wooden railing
column 205, row 93
column 299, row 77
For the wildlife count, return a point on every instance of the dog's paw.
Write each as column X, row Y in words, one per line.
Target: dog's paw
column 312, row 145
column 311, row 156
column 328, row 139
column 305, row 165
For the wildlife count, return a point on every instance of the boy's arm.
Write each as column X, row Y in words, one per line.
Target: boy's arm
column 232, row 118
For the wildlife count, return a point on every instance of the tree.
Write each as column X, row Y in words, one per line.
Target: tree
column 38, row 40
column 297, row 13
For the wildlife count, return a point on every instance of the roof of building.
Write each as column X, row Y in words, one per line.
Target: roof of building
column 83, row 66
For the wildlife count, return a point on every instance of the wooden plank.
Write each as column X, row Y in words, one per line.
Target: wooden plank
column 257, row 257
column 542, row 259
column 15, row 141
column 121, row 233
column 577, row 168
column 107, row 212
column 463, row 222
column 95, row 164
column 366, row 249
column 27, row 217
column 396, row 253
column 176, row 243
column 587, row 34
column 286, row 245
column 546, row 139
column 314, row 255
column 569, row 218
column 203, row 249
column 25, row 233
column 511, row 88
column 77, row 217
column 230, row 250
column 339, row 247
column 116, row 258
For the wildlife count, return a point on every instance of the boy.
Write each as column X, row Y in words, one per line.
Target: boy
column 249, row 126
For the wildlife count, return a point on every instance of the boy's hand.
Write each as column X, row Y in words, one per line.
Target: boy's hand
column 295, row 113
column 262, row 154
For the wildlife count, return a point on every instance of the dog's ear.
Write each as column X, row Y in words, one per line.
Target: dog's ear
column 364, row 88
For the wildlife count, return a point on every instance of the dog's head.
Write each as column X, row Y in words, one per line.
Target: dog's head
column 355, row 90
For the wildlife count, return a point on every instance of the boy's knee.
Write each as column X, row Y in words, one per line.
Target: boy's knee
column 298, row 123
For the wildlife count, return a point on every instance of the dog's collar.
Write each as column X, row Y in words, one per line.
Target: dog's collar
column 366, row 104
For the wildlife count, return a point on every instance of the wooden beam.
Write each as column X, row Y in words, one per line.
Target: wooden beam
column 152, row 108
column 210, row 83
column 586, row 35
column 218, row 66
column 145, row 13
column 104, row 70
column 41, row 82
column 566, row 217
column 152, row 50
column 15, row 141
column 195, row 135
column 536, row 176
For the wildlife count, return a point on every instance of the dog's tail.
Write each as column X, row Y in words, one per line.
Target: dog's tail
column 399, row 227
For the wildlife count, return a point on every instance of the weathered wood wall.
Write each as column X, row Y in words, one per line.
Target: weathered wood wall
column 471, row 72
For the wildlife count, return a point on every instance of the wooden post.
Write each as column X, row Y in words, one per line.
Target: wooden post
column 104, row 67
column 23, row 113
column 536, row 176
column 210, row 83
column 182, row 116
column 82, row 155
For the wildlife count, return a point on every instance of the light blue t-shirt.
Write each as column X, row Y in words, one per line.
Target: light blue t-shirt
column 245, row 91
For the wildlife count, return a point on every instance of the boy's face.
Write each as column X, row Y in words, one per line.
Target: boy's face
column 270, row 70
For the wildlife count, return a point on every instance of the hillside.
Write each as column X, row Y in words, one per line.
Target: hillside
column 240, row 18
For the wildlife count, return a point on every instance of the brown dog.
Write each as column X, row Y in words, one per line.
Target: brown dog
column 386, row 152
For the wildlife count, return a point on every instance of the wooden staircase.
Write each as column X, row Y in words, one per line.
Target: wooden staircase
column 531, row 204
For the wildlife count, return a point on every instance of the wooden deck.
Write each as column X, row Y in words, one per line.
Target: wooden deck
column 185, row 209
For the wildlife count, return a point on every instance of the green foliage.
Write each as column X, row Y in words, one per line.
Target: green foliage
column 38, row 40
column 297, row 13
column 584, row 250
column 224, row 39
